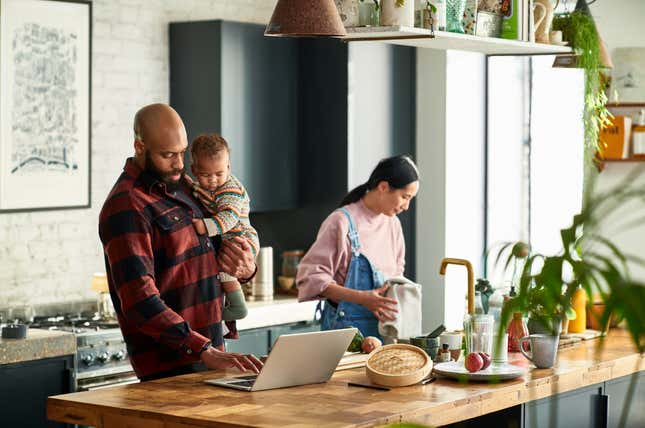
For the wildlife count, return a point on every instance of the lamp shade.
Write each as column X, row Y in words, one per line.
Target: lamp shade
column 100, row 283
column 305, row 18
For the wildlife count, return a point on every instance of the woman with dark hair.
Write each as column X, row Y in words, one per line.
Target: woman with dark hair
column 358, row 246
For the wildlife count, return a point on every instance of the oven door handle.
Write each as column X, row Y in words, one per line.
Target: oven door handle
column 107, row 383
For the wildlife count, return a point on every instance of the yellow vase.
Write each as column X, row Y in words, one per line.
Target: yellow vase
column 579, row 303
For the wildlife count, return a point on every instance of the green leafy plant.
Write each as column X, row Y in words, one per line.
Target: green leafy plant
column 587, row 259
column 580, row 30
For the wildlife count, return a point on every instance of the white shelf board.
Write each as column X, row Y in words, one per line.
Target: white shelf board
column 422, row 38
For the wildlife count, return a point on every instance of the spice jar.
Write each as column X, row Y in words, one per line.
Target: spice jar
column 290, row 262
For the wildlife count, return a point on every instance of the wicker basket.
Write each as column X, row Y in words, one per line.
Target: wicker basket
column 398, row 365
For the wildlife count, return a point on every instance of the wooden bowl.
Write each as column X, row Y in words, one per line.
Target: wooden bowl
column 397, row 365
column 286, row 282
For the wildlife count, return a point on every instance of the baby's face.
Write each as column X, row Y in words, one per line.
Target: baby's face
column 212, row 171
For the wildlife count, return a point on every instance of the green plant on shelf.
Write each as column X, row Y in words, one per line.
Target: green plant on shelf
column 580, row 30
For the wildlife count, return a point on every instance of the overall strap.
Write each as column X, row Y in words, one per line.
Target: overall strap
column 352, row 234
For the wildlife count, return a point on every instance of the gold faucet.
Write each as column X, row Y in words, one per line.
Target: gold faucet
column 471, row 278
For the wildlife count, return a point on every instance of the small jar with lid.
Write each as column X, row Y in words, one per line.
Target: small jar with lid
column 290, row 262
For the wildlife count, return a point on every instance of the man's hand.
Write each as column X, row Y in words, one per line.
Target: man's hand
column 215, row 359
column 200, row 226
column 236, row 258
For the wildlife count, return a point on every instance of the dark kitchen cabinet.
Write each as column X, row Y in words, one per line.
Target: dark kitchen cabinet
column 255, row 341
column 300, row 327
column 580, row 408
column 227, row 78
column 25, row 386
column 617, row 391
column 259, row 341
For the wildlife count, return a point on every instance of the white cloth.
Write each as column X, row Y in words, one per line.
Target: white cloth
column 407, row 322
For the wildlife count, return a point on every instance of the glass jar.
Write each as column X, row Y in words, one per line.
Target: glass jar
column 454, row 15
column 290, row 262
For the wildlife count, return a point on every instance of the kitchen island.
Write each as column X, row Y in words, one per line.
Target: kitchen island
column 185, row 401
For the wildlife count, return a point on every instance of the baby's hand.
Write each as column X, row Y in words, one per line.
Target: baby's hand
column 200, row 226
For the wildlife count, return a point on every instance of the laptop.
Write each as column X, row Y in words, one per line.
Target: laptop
column 296, row 359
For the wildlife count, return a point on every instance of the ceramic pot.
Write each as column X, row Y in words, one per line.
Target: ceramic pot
column 391, row 14
column 552, row 327
column 543, row 19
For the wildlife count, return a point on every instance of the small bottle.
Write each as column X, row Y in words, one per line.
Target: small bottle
column 579, row 304
column 517, row 329
column 479, row 307
column 444, row 354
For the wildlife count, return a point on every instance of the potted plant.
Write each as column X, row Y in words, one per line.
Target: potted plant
column 579, row 29
column 587, row 259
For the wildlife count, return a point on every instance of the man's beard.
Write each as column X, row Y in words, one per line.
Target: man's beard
column 151, row 169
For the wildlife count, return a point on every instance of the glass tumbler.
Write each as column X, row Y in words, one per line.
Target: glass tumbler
column 478, row 332
column 455, row 15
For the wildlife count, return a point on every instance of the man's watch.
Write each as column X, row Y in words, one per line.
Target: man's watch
column 205, row 347
column 245, row 280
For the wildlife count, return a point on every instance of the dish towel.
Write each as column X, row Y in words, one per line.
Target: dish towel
column 407, row 322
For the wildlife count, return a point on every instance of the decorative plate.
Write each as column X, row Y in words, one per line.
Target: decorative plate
column 495, row 372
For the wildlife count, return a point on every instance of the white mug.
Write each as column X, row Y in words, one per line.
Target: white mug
column 451, row 338
column 555, row 37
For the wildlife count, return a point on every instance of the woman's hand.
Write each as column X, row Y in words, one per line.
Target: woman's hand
column 215, row 359
column 236, row 258
column 383, row 308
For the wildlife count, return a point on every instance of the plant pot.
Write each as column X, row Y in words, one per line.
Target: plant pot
column 548, row 326
column 594, row 315
column 391, row 14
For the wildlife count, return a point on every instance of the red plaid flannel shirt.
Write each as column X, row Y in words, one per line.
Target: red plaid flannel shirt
column 162, row 274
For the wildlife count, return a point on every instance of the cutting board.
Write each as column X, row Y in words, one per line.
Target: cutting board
column 352, row 360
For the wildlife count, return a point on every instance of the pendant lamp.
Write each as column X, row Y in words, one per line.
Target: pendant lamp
column 305, row 18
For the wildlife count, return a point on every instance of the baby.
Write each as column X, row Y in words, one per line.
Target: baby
column 225, row 198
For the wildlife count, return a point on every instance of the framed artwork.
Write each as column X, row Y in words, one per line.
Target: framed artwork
column 628, row 75
column 45, row 99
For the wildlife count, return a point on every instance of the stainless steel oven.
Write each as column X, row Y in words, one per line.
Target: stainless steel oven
column 101, row 356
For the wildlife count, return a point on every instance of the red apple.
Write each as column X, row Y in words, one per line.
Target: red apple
column 486, row 358
column 473, row 362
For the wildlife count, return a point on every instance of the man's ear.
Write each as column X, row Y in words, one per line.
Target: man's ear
column 139, row 147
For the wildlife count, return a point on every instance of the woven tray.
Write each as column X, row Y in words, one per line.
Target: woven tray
column 398, row 365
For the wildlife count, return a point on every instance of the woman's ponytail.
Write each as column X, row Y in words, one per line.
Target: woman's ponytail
column 355, row 194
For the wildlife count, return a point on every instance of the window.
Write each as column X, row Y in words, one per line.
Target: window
column 534, row 153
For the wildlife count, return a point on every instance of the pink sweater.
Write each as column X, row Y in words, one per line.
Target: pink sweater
column 326, row 262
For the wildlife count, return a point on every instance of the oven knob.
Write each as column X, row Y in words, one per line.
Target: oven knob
column 119, row 356
column 103, row 357
column 87, row 359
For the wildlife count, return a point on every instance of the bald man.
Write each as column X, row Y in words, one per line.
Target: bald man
column 163, row 273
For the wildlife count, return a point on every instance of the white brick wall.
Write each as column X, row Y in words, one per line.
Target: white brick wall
column 49, row 257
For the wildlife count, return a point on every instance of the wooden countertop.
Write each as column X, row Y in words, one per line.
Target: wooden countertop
column 184, row 401
column 37, row 345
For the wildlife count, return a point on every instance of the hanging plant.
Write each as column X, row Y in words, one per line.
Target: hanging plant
column 580, row 30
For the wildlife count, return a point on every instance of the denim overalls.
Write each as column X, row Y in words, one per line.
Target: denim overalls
column 361, row 275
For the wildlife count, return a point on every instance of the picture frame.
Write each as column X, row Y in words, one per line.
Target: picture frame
column 628, row 75
column 45, row 104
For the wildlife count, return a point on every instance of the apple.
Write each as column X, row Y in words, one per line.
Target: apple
column 486, row 358
column 370, row 343
column 474, row 362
